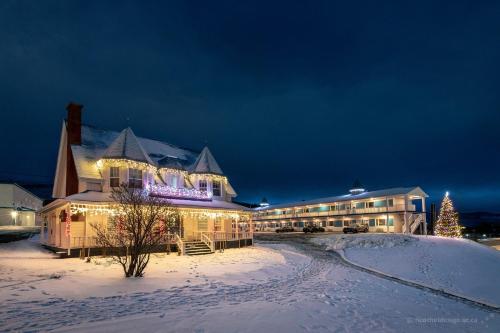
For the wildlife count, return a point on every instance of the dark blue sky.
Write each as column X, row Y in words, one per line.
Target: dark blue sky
column 295, row 100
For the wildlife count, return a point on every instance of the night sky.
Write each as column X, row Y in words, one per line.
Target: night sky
column 294, row 99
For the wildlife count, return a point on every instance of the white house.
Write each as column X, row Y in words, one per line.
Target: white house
column 18, row 206
column 91, row 162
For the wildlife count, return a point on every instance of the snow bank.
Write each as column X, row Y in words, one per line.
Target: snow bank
column 458, row 265
column 342, row 242
column 29, row 248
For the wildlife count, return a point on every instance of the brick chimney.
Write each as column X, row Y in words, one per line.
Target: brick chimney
column 74, row 123
column 74, row 130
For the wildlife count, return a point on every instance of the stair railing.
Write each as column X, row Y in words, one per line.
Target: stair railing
column 181, row 246
column 208, row 241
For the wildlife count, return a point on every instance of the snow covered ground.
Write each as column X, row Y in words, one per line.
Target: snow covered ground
column 458, row 265
column 273, row 286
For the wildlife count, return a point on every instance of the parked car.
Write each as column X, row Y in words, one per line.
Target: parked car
column 285, row 229
column 312, row 228
column 355, row 228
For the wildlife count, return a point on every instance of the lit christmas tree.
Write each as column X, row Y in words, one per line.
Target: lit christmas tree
column 447, row 222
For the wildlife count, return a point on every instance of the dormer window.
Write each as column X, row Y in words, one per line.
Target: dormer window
column 175, row 181
column 134, row 178
column 114, row 177
column 202, row 185
column 216, row 188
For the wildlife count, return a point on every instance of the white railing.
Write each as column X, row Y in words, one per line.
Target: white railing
column 327, row 213
column 208, row 242
column 217, row 236
column 180, row 244
column 417, row 221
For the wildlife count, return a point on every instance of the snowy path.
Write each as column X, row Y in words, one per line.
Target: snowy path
column 321, row 293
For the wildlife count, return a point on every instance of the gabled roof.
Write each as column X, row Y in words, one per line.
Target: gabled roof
column 127, row 146
column 95, row 143
column 206, row 163
column 416, row 190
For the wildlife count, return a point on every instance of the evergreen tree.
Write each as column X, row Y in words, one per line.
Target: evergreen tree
column 447, row 222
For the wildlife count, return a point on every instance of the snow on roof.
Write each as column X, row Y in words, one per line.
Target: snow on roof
column 101, row 197
column 95, row 143
column 127, row 146
column 206, row 163
column 416, row 190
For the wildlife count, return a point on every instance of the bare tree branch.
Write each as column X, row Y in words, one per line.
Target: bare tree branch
column 140, row 226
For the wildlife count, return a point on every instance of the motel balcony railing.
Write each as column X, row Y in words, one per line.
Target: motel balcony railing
column 333, row 213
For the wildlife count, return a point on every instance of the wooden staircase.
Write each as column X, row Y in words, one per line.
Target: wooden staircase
column 195, row 248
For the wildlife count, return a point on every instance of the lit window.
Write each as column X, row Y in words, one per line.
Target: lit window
column 381, row 222
column 202, row 185
column 216, row 188
column 114, row 176
column 134, row 178
column 174, row 181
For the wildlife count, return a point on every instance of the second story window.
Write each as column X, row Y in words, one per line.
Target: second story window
column 114, row 177
column 216, row 188
column 134, row 178
column 202, row 185
column 175, row 181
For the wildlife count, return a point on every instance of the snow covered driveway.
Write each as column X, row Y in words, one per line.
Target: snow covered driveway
column 288, row 285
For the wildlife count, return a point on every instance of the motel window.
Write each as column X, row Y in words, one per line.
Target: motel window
column 346, row 223
column 390, row 202
column 216, row 188
column 379, row 203
column 390, row 222
column 333, row 208
column 134, row 178
column 338, row 224
column 370, row 204
column 114, row 177
column 360, row 205
column 202, row 185
column 381, row 222
column 341, row 207
column 371, row 223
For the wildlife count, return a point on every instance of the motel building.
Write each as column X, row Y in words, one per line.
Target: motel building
column 394, row 210
column 91, row 162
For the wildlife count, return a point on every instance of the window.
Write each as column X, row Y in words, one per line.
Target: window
column 202, row 185
column 114, row 177
column 380, row 203
column 202, row 223
column 370, row 204
column 175, row 181
column 134, row 178
column 360, row 205
column 381, row 222
column 346, row 223
column 390, row 222
column 371, row 222
column 390, row 202
column 217, row 224
column 216, row 188
column 341, row 207
column 338, row 224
